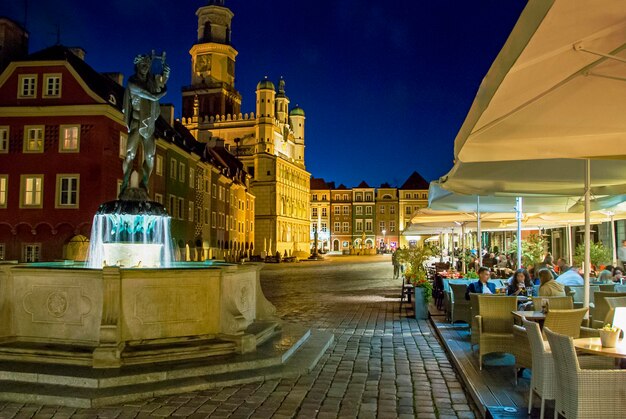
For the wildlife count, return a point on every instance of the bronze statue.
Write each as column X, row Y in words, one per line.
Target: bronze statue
column 141, row 109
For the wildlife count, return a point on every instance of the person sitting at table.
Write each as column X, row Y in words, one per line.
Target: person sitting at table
column 606, row 275
column 571, row 277
column 617, row 274
column 549, row 287
column 518, row 283
column 482, row 286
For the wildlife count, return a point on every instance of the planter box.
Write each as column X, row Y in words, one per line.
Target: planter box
column 421, row 308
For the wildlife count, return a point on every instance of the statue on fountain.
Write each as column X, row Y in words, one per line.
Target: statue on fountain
column 141, row 109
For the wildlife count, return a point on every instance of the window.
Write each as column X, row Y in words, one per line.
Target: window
column 67, row 191
column 346, row 227
column 392, row 226
column 314, row 197
column 407, row 210
column 191, row 212
column 324, row 212
column 31, row 252
column 123, row 144
column 2, row 251
column 27, row 86
column 69, row 138
column 198, row 215
column 346, row 210
column 206, row 186
column 181, row 171
column 392, row 209
column 359, row 226
column 314, row 212
column 336, row 227
column 382, row 226
column 214, row 190
column 159, row 165
column 382, row 209
column 158, row 198
column 368, row 197
column 173, row 168
column 206, row 216
column 337, row 210
column 221, row 193
column 323, row 197
column 192, row 178
column 416, row 196
column 345, row 197
column 213, row 219
column 324, row 227
column 4, row 139
column 358, row 210
column 368, row 225
column 4, row 181
column 33, row 139
column 314, row 227
column 52, row 85
column 172, row 206
column 181, row 208
column 31, row 189
column 358, row 197
column 368, row 210
column 424, row 196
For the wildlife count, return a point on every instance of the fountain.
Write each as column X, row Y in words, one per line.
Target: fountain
column 133, row 321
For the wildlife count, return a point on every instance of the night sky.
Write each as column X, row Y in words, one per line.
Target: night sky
column 385, row 85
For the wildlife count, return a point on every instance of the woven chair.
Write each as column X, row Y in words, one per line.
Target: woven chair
column 474, row 324
column 565, row 322
column 495, row 325
column 607, row 287
column 620, row 288
column 584, row 393
column 601, row 307
column 460, row 306
column 557, row 303
column 521, row 350
column 613, row 303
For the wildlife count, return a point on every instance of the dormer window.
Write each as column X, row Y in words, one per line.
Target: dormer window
column 27, row 86
column 52, row 85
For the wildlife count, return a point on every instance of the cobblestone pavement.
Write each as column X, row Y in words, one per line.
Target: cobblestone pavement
column 382, row 364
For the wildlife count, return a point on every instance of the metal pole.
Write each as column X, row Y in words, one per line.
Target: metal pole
column 587, row 263
column 452, row 251
column 570, row 257
column 479, row 234
column 518, row 216
column 463, row 267
column 613, row 244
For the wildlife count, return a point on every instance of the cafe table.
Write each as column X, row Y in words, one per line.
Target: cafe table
column 594, row 346
column 533, row 316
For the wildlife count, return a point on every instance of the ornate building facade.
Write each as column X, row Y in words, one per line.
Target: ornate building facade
column 269, row 142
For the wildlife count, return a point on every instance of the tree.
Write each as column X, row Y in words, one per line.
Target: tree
column 532, row 250
column 600, row 255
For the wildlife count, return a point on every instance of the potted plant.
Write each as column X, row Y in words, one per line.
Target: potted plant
column 414, row 258
column 609, row 335
column 599, row 254
column 532, row 250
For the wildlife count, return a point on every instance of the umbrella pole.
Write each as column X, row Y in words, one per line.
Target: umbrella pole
column 587, row 263
column 452, row 251
column 463, row 267
column 613, row 244
column 570, row 258
column 479, row 235
column 518, row 216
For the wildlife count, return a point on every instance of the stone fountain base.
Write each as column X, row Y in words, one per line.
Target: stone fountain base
column 87, row 337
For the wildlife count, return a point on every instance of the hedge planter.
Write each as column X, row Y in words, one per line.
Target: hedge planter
column 421, row 307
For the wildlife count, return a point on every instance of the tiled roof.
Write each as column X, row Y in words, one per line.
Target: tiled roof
column 415, row 181
column 363, row 184
column 342, row 187
column 319, row 183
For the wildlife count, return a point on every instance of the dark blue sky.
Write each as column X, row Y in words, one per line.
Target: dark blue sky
column 385, row 85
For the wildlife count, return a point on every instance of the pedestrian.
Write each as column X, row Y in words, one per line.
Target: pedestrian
column 396, row 264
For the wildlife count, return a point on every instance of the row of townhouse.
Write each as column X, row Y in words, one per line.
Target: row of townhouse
column 62, row 141
column 364, row 217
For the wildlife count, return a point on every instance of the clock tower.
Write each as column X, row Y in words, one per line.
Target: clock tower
column 212, row 65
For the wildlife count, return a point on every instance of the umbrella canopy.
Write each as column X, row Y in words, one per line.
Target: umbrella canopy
column 557, row 88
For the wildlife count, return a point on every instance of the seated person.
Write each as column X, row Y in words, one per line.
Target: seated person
column 571, row 277
column 606, row 275
column 482, row 286
column 618, row 274
column 519, row 283
column 562, row 265
column 549, row 287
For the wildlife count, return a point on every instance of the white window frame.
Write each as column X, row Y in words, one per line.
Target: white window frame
column 214, row 190
column 182, row 167
column 158, row 198
column 368, row 225
column 123, row 144
column 63, row 129
column 31, row 93
column 31, row 252
column 382, row 209
column 213, row 219
column 181, row 208
column 337, row 210
column 206, row 216
column 192, row 177
column 324, row 212
column 346, row 227
column 313, row 212
column 4, row 190
column 346, row 210
column 392, row 209
column 192, row 211
column 408, row 210
column 337, row 227
column 47, row 79
column 5, row 131
column 159, row 165
column 171, row 202
column 392, row 226
column 358, row 210
column 368, row 210
column 39, row 142
column 59, row 190
column 36, row 194
column 359, row 226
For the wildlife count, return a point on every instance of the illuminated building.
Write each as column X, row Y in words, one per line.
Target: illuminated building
column 320, row 213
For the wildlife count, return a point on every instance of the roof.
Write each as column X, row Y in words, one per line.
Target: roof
column 297, row 111
column 319, row 183
column 102, row 85
column 363, row 184
column 386, row 185
column 342, row 187
column 415, row 181
column 265, row 83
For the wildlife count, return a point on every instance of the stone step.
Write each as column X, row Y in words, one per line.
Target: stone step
column 294, row 351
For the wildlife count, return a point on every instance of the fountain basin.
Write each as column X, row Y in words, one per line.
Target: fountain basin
column 110, row 317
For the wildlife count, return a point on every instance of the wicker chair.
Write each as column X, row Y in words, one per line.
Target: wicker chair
column 607, row 287
column 601, row 307
column 613, row 303
column 584, row 393
column 460, row 306
column 474, row 324
column 565, row 322
column 557, row 303
column 495, row 325
column 579, row 294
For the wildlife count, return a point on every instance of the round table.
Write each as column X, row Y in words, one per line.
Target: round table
column 593, row 346
column 533, row 316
